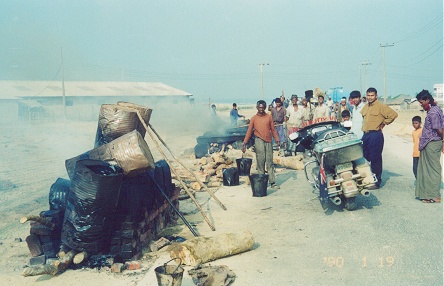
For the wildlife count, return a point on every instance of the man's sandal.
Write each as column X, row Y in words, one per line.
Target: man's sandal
column 431, row 201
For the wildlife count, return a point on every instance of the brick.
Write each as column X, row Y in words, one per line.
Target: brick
column 128, row 226
column 128, row 240
column 115, row 240
column 50, row 248
column 34, row 245
column 127, row 234
column 127, row 247
column 117, row 267
column 144, row 236
column 45, row 238
column 37, row 260
column 39, row 229
column 137, row 256
column 127, row 255
column 132, row 265
column 114, row 249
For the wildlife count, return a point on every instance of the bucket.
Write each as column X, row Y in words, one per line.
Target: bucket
column 169, row 275
column 244, row 166
column 259, row 184
column 230, row 176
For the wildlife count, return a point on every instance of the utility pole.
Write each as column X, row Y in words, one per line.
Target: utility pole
column 262, row 79
column 383, row 63
column 366, row 63
column 63, row 85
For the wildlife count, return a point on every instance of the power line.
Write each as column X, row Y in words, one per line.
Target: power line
column 436, row 21
column 423, row 59
column 58, row 70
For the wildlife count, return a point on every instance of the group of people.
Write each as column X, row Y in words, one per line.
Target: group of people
column 368, row 120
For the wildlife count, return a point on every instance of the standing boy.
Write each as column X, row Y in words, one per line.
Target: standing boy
column 416, row 134
column 234, row 115
column 357, row 116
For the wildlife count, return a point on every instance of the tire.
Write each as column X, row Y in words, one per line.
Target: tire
column 350, row 204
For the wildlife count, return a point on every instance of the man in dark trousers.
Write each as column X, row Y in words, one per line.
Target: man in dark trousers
column 262, row 124
column 375, row 115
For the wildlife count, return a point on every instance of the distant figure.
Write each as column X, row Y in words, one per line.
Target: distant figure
column 342, row 106
column 213, row 110
column 376, row 115
column 364, row 99
column 234, row 115
column 295, row 118
column 416, row 134
column 261, row 125
column 321, row 112
column 357, row 119
column 330, row 104
column 278, row 114
column 285, row 102
column 431, row 145
column 307, row 110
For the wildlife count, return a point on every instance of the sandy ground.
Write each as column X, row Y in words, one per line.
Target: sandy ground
column 391, row 239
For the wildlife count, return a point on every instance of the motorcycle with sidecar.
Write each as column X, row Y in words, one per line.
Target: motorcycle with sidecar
column 338, row 170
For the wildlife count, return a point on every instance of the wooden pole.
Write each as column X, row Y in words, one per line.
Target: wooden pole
column 194, row 175
column 175, row 173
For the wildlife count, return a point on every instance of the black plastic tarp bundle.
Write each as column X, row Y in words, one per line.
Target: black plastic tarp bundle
column 130, row 152
column 91, row 204
column 58, row 194
column 116, row 120
column 140, row 192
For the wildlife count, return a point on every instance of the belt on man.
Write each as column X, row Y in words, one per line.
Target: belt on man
column 371, row 131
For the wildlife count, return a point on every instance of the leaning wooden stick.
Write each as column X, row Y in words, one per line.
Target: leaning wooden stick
column 46, row 221
column 192, row 173
column 184, row 186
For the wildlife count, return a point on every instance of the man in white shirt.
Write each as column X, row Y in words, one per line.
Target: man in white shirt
column 357, row 118
column 329, row 103
column 321, row 112
column 295, row 118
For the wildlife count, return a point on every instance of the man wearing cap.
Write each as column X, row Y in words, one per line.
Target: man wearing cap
column 376, row 115
column 278, row 113
column 263, row 126
column 356, row 111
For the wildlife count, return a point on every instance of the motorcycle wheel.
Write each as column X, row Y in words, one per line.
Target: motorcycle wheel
column 350, row 204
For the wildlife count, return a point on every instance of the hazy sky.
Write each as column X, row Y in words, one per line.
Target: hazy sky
column 213, row 49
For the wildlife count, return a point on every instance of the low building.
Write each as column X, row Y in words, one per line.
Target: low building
column 80, row 100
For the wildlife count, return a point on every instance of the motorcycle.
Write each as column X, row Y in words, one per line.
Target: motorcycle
column 339, row 171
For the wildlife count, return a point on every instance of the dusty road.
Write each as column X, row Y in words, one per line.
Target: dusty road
column 391, row 239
